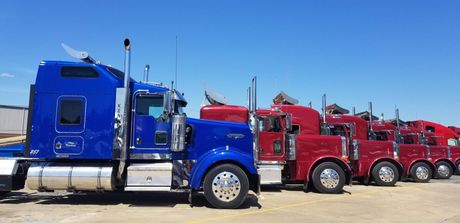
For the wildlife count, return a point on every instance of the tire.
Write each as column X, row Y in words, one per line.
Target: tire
column 385, row 174
column 421, row 172
column 443, row 170
column 328, row 178
column 222, row 196
column 457, row 165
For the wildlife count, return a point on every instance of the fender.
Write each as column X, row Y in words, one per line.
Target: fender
column 446, row 160
column 217, row 155
column 398, row 165
column 321, row 159
column 433, row 167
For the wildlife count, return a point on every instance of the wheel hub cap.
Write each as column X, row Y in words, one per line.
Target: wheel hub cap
column 226, row 186
column 443, row 170
column 329, row 178
column 421, row 173
column 386, row 174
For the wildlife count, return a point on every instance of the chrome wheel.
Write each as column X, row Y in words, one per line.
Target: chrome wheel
column 386, row 174
column 443, row 171
column 226, row 186
column 458, row 167
column 422, row 173
column 329, row 178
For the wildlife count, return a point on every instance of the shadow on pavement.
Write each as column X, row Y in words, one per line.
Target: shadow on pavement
column 132, row 199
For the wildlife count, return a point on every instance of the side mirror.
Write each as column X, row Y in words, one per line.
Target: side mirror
column 167, row 102
column 288, row 123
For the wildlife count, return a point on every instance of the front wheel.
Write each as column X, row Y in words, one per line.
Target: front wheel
column 226, row 186
column 443, row 170
column 328, row 177
column 385, row 174
column 421, row 172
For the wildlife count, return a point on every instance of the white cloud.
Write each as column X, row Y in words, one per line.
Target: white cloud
column 6, row 75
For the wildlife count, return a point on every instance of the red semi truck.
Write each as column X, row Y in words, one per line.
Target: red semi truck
column 446, row 136
column 441, row 154
column 455, row 129
column 371, row 159
column 415, row 158
column 286, row 157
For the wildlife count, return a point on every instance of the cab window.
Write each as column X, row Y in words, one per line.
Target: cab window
column 269, row 124
column 381, row 136
column 151, row 105
column 338, row 131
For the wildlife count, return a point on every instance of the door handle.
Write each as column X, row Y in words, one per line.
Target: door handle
column 138, row 140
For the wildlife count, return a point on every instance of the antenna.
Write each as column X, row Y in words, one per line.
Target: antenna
column 175, row 75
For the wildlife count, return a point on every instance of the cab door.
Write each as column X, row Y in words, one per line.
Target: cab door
column 271, row 139
column 151, row 126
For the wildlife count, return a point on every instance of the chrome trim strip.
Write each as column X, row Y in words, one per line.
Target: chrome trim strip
column 151, row 156
column 344, row 147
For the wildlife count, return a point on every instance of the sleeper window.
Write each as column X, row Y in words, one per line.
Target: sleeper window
column 79, row 72
column 71, row 112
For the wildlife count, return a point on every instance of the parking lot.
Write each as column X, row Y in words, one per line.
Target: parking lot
column 408, row 202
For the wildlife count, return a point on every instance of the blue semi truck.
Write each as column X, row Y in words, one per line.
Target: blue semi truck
column 93, row 128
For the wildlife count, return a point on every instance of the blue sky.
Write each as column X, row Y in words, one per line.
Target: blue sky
column 404, row 53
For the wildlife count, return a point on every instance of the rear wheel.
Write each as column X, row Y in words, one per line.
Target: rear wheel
column 443, row 170
column 421, row 172
column 385, row 174
column 226, row 186
column 328, row 177
column 457, row 165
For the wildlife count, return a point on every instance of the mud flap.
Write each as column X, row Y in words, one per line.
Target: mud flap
column 256, row 184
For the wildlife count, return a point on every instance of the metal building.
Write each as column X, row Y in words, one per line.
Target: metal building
column 13, row 120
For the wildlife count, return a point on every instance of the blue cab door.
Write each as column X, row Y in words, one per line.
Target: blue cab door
column 151, row 127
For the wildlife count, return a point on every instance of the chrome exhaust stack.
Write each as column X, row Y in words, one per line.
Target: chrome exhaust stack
column 398, row 130
column 372, row 135
column 370, row 117
column 127, row 63
column 324, row 128
column 324, row 109
column 146, row 73
column 253, row 119
column 353, row 111
column 120, row 142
